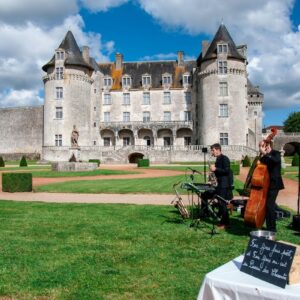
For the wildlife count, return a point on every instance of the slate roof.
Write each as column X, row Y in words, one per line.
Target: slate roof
column 74, row 55
column 251, row 89
column 222, row 35
column 154, row 68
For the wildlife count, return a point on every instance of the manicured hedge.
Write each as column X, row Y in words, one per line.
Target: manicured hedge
column 97, row 161
column 2, row 163
column 235, row 167
column 16, row 182
column 23, row 162
column 143, row 163
column 246, row 162
column 295, row 161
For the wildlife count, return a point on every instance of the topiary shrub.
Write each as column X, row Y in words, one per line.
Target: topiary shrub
column 2, row 163
column 16, row 182
column 295, row 161
column 143, row 163
column 23, row 162
column 246, row 162
column 97, row 161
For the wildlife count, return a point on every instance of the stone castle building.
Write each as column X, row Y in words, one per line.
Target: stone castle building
column 120, row 111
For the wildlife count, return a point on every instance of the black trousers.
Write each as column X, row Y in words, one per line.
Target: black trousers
column 222, row 206
column 270, row 210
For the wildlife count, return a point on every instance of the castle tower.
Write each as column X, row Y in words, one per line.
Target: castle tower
column 68, row 86
column 220, row 91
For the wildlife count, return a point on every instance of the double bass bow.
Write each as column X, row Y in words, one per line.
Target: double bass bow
column 255, row 211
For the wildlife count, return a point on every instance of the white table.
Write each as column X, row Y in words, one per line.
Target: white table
column 229, row 283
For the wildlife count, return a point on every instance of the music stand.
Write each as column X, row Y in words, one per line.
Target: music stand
column 204, row 151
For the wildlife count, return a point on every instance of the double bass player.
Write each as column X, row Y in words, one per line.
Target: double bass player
column 272, row 159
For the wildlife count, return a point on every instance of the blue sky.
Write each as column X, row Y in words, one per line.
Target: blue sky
column 30, row 30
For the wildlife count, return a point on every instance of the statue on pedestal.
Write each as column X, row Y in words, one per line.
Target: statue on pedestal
column 74, row 137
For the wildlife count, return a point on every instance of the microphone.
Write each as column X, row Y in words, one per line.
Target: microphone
column 193, row 170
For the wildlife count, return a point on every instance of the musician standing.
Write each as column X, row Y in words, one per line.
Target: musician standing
column 222, row 170
column 272, row 159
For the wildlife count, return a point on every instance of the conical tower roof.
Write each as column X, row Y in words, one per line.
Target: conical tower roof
column 74, row 56
column 222, row 36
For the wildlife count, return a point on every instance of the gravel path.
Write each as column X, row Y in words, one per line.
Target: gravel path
column 287, row 197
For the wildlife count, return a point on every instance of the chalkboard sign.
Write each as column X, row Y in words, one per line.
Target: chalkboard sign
column 268, row 260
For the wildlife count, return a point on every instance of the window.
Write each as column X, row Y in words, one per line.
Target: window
column 106, row 141
column 146, row 80
column 224, row 138
column 95, row 143
column 223, row 110
column 167, row 116
column 187, row 79
column 59, row 93
column 222, row 48
column 187, row 141
column 107, row 82
column 95, row 91
column 255, row 113
column 167, row 141
column 126, row 81
column 58, row 112
column 187, row 116
column 167, row 98
column 126, row 116
column 188, row 97
column 126, row 141
column 95, row 108
column 166, row 79
column 58, row 140
column 95, row 124
column 223, row 86
column 222, row 67
column 147, row 140
column 59, row 73
column 146, row 116
column 106, row 116
column 60, row 55
column 146, row 98
column 107, row 99
column 126, row 99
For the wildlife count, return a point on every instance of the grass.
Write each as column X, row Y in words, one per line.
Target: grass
column 53, row 174
column 161, row 185
column 104, row 251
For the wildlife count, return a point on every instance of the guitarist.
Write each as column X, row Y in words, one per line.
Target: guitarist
column 272, row 159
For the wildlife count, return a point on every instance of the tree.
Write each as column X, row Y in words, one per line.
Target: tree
column 292, row 123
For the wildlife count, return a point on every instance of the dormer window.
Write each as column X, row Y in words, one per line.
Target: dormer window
column 126, row 81
column 107, row 81
column 186, row 79
column 222, row 48
column 166, row 79
column 146, row 80
column 60, row 55
column 59, row 73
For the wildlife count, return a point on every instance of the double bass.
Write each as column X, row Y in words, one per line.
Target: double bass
column 255, row 211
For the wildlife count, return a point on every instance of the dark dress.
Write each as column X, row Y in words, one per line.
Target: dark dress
column 273, row 162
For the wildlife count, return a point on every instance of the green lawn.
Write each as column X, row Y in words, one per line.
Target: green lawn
column 104, row 251
column 52, row 174
column 161, row 185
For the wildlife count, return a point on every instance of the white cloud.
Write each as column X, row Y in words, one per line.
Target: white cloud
column 42, row 12
column 102, row 5
column 16, row 98
column 264, row 25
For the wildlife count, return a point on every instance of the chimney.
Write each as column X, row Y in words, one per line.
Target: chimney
column 180, row 58
column 86, row 54
column 119, row 61
column 205, row 45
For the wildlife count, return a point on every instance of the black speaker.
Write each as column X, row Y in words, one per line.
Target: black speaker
column 204, row 150
column 296, row 223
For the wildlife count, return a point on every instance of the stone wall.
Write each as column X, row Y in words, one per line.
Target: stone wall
column 21, row 131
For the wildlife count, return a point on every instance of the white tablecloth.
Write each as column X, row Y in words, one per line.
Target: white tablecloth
column 229, row 283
